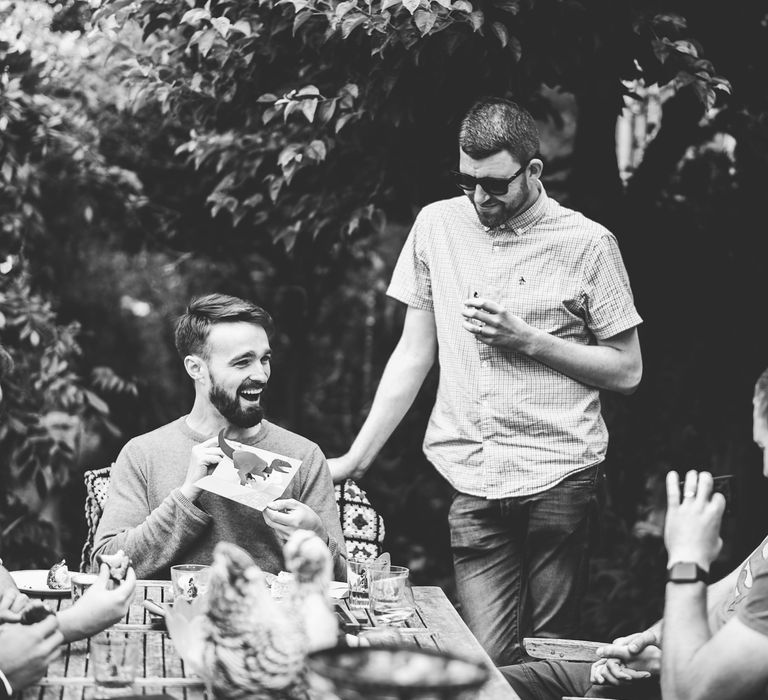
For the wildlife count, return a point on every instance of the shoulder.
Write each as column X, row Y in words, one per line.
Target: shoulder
column 445, row 211
column 572, row 225
column 166, row 437
column 288, row 443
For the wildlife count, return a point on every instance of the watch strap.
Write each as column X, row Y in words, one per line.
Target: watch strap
column 686, row 572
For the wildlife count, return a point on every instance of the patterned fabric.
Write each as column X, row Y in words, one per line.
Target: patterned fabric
column 754, row 612
column 504, row 424
column 756, row 560
column 362, row 526
column 96, row 486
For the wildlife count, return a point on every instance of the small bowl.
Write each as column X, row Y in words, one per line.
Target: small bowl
column 395, row 672
column 79, row 583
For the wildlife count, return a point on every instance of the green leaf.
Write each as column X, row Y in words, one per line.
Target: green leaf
column 386, row 4
column 326, row 110
column 96, row 402
column 477, row 19
column 308, row 107
column 267, row 97
column 424, row 21
column 206, row 41
column 290, row 108
column 308, row 91
column 316, row 150
column 243, row 26
column 463, row 6
column 516, row 48
column 343, row 8
column 301, row 19
column 686, row 47
column 222, row 25
column 411, row 5
column 194, row 16
column 349, row 24
column 501, row 32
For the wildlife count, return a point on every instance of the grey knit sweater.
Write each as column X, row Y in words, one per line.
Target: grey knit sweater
column 147, row 516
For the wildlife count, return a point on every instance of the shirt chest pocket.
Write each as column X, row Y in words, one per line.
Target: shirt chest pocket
column 549, row 303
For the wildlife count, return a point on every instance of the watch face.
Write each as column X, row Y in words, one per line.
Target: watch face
column 686, row 572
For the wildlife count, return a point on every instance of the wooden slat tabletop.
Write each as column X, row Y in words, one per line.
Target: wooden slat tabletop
column 437, row 625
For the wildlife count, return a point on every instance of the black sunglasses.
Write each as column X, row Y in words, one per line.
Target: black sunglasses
column 492, row 185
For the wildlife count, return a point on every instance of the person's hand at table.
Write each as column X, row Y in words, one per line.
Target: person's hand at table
column 203, row 458
column 692, row 526
column 12, row 602
column 99, row 607
column 286, row 515
column 636, row 656
column 26, row 650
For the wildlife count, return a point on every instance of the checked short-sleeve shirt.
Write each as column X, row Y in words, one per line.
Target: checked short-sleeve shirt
column 504, row 424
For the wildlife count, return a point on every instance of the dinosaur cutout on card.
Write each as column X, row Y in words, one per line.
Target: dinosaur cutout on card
column 250, row 465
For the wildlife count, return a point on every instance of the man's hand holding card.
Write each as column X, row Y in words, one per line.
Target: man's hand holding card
column 249, row 475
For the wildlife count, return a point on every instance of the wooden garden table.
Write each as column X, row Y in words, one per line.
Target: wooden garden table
column 437, row 625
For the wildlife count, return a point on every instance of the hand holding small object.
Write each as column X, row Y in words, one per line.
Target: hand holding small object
column 204, row 456
column 286, row 515
column 494, row 325
column 692, row 527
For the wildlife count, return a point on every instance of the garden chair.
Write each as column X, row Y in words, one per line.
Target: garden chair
column 361, row 525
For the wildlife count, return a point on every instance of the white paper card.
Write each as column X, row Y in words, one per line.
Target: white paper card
column 255, row 490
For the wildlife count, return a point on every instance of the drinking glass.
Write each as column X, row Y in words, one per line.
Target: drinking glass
column 391, row 595
column 114, row 659
column 189, row 580
column 358, row 577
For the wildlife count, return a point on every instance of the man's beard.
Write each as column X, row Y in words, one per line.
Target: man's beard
column 504, row 211
column 229, row 406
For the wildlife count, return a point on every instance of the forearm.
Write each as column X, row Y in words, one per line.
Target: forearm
column 686, row 631
column 70, row 626
column 601, row 366
column 157, row 540
column 400, row 383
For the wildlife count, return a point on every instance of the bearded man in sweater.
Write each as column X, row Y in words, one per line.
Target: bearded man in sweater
column 154, row 510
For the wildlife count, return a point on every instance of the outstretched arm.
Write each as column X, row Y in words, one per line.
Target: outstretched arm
column 403, row 376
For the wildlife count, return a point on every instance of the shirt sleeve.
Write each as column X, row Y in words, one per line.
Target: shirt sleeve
column 753, row 612
column 411, row 282
column 318, row 493
column 608, row 300
column 152, row 539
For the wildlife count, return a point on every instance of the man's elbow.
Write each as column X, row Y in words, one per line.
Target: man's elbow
column 630, row 379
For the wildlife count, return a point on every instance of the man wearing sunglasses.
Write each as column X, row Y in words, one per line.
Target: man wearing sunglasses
column 528, row 308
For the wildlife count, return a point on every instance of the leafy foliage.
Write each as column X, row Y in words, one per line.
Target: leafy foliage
column 47, row 146
column 283, row 99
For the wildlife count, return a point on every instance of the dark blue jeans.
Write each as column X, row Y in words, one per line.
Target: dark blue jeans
column 552, row 680
column 521, row 563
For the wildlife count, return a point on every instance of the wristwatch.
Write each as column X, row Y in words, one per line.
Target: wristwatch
column 686, row 572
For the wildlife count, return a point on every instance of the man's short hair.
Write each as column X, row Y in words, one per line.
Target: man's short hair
column 761, row 395
column 495, row 124
column 194, row 326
